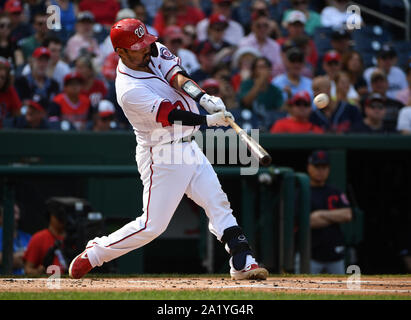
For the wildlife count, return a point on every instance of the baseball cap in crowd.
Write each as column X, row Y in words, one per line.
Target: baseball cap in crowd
column 301, row 96
column 36, row 105
column 387, row 51
column 205, row 48
column 340, row 34
column 85, row 16
column 211, row 86
column 332, row 55
column 218, row 19
column 227, row 2
column 319, row 157
column 4, row 62
column 40, row 52
column 125, row 13
column 106, row 108
column 294, row 17
column 295, row 54
column 173, row 33
column 73, row 76
column 12, row 6
column 374, row 98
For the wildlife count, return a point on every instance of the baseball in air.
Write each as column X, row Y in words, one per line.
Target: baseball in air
column 321, row 100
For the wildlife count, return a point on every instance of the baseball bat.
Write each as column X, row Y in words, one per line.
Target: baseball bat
column 255, row 148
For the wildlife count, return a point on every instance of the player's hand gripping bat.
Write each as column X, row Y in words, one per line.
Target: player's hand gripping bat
column 256, row 149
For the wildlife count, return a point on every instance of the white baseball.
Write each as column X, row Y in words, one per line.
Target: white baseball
column 321, row 100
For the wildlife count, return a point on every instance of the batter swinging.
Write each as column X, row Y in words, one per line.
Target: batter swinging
column 158, row 97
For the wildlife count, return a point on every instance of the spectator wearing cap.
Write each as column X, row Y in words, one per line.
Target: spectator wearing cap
column 298, row 119
column 104, row 11
column 29, row 44
column 140, row 13
column 179, row 13
column 336, row 15
column 340, row 40
column 222, row 74
column 404, row 95
column 37, row 82
column 386, row 60
column 71, row 104
column 83, row 41
column 338, row 116
column 104, row 119
column 313, row 19
column 259, row 39
column 93, row 87
column 374, row 114
column 379, row 84
column 19, row 28
column 292, row 81
column 241, row 63
column 332, row 67
column 205, row 55
column 57, row 68
column 258, row 94
column 35, row 117
column 173, row 39
column 8, row 47
column 294, row 23
column 217, row 25
column 10, row 102
column 232, row 34
column 353, row 64
column 329, row 209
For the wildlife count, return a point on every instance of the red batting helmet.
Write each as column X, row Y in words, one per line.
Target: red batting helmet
column 130, row 34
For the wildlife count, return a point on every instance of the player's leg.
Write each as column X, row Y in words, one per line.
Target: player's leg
column 205, row 189
column 164, row 187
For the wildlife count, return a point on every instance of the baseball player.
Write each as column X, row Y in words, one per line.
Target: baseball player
column 160, row 101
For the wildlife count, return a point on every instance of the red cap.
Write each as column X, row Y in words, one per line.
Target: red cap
column 210, row 83
column 173, row 32
column 217, row 18
column 35, row 105
column 5, row 62
column 219, row 1
column 332, row 56
column 130, row 34
column 41, row 51
column 73, row 76
column 13, row 6
column 301, row 95
column 106, row 108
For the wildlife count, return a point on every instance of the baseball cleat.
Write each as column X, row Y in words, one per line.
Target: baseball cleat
column 251, row 272
column 80, row 266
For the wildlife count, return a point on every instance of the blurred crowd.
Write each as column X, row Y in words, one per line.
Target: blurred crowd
column 262, row 57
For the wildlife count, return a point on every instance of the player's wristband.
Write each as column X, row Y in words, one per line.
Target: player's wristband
column 186, row 118
column 193, row 90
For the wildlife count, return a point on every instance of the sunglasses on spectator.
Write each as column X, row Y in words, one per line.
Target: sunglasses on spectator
column 218, row 28
column 262, row 25
column 225, row 4
column 378, row 106
column 170, row 8
column 333, row 63
column 5, row 26
column 302, row 103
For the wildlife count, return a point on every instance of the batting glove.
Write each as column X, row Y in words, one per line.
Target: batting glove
column 212, row 104
column 219, row 119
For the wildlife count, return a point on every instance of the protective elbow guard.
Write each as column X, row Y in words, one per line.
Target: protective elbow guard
column 237, row 246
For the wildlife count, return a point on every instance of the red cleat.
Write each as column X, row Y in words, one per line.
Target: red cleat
column 80, row 266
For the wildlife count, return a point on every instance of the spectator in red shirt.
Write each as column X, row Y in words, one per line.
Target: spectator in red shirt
column 94, row 88
column 104, row 11
column 176, row 13
column 44, row 245
column 71, row 104
column 10, row 103
column 299, row 114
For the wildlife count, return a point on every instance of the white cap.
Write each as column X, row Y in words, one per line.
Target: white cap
column 106, row 108
column 295, row 16
column 125, row 13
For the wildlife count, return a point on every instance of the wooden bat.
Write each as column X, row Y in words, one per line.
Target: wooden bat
column 256, row 149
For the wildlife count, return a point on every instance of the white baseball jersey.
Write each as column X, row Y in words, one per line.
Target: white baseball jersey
column 140, row 95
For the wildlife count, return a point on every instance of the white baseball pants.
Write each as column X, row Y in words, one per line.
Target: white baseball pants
column 168, row 172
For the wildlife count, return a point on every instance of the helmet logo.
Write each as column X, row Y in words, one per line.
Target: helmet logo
column 139, row 31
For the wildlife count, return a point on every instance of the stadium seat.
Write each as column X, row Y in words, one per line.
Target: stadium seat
column 322, row 39
column 403, row 49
